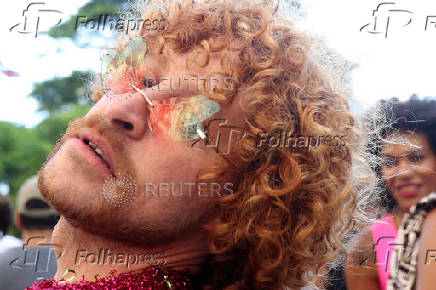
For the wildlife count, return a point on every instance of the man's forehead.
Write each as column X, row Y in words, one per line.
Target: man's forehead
column 183, row 73
column 169, row 58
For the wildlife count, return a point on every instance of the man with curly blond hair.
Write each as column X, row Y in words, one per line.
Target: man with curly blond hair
column 219, row 154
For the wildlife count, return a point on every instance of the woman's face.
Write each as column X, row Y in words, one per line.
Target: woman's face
column 410, row 170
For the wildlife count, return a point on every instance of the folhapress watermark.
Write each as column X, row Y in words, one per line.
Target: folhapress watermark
column 106, row 257
column 190, row 189
column 118, row 23
column 220, row 136
column 37, row 253
column 36, row 16
column 286, row 139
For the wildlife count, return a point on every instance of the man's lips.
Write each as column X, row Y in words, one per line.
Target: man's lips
column 98, row 146
column 409, row 189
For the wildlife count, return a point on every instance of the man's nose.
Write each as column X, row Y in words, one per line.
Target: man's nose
column 128, row 113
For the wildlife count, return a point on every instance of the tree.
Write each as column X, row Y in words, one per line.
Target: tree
column 24, row 150
column 92, row 10
column 59, row 94
column 52, row 128
column 23, row 154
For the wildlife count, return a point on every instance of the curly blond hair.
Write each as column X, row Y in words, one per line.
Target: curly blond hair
column 293, row 207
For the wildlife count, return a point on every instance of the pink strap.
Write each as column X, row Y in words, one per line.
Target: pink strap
column 384, row 234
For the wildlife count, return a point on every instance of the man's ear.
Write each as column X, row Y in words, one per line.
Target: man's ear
column 18, row 221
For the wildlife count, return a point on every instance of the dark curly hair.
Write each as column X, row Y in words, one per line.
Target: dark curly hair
column 414, row 115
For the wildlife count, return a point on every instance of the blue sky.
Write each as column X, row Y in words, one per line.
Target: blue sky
column 397, row 65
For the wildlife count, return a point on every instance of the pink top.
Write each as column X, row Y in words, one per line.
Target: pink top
column 384, row 234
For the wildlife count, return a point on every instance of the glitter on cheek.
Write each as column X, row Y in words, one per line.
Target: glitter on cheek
column 119, row 191
column 121, row 82
column 160, row 117
column 181, row 118
column 122, row 69
column 143, row 94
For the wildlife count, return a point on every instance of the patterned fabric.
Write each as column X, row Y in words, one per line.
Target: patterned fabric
column 405, row 258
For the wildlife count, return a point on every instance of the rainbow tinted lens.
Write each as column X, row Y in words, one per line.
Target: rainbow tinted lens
column 180, row 118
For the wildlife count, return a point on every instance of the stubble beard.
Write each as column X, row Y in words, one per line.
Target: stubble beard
column 94, row 215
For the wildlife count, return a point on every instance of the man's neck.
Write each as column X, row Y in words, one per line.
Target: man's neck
column 94, row 256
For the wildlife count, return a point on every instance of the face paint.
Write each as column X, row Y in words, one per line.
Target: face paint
column 121, row 70
column 108, row 59
column 133, row 56
column 135, row 51
column 121, row 82
column 181, row 118
column 178, row 118
column 119, row 191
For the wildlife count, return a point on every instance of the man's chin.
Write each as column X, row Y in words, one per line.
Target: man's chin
column 63, row 182
column 80, row 200
column 83, row 208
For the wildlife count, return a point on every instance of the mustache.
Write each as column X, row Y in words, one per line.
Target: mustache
column 112, row 135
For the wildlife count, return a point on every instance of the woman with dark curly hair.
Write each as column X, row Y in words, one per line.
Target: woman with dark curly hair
column 413, row 265
column 409, row 174
column 297, row 171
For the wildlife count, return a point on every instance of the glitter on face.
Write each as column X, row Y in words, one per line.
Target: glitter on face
column 177, row 118
column 142, row 93
column 133, row 56
column 181, row 118
column 121, row 70
column 201, row 134
column 119, row 191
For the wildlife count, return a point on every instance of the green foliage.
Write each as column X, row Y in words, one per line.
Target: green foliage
column 59, row 94
column 24, row 150
column 52, row 128
column 92, row 10
column 23, row 153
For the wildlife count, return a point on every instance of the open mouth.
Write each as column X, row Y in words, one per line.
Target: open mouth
column 98, row 152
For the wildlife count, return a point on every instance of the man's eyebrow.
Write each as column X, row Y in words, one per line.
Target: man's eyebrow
column 159, row 95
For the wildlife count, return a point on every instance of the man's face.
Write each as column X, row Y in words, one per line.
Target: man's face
column 410, row 170
column 110, row 197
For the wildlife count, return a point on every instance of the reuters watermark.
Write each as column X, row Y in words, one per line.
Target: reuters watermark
column 190, row 189
column 106, row 257
column 188, row 83
column 287, row 140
